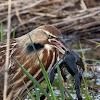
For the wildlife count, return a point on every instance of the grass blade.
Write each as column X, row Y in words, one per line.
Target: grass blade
column 94, row 42
column 83, row 57
column 28, row 91
column 2, row 37
column 60, row 83
column 47, row 79
column 44, row 72
column 86, row 90
column 32, row 79
column 14, row 33
column 37, row 93
column 71, row 98
column 94, row 60
column 18, row 98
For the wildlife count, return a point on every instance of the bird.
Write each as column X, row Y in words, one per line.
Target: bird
column 47, row 44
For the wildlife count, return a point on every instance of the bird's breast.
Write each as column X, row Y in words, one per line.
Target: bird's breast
column 31, row 64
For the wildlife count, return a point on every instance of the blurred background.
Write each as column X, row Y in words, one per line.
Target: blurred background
column 78, row 20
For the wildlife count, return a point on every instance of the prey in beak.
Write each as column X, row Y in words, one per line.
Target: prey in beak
column 61, row 45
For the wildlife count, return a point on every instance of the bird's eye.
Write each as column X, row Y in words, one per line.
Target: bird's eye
column 49, row 36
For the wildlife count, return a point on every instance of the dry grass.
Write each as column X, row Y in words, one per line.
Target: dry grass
column 70, row 16
column 7, row 51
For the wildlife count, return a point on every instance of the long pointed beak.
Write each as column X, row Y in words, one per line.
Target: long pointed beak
column 61, row 45
column 66, row 47
column 57, row 43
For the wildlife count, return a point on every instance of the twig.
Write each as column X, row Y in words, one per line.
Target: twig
column 32, row 5
column 83, row 5
column 77, row 18
column 18, row 16
column 45, row 14
column 7, row 52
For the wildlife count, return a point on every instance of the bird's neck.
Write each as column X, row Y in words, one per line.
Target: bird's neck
column 23, row 40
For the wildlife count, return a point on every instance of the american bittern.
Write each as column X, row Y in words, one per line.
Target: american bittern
column 47, row 44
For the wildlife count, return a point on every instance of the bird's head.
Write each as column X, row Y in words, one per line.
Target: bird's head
column 46, row 35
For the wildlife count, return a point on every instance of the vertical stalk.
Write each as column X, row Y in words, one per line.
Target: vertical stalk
column 7, row 51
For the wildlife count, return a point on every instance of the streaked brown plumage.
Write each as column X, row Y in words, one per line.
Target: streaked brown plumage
column 45, row 39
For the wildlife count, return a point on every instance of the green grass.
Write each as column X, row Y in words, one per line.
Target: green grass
column 30, row 95
column 83, row 57
column 32, row 79
column 44, row 73
column 85, row 65
column 14, row 33
column 37, row 93
column 94, row 60
column 2, row 37
column 2, row 33
column 47, row 80
column 98, row 43
column 60, row 83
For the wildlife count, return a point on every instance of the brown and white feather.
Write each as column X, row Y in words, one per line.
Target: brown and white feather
column 48, row 55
